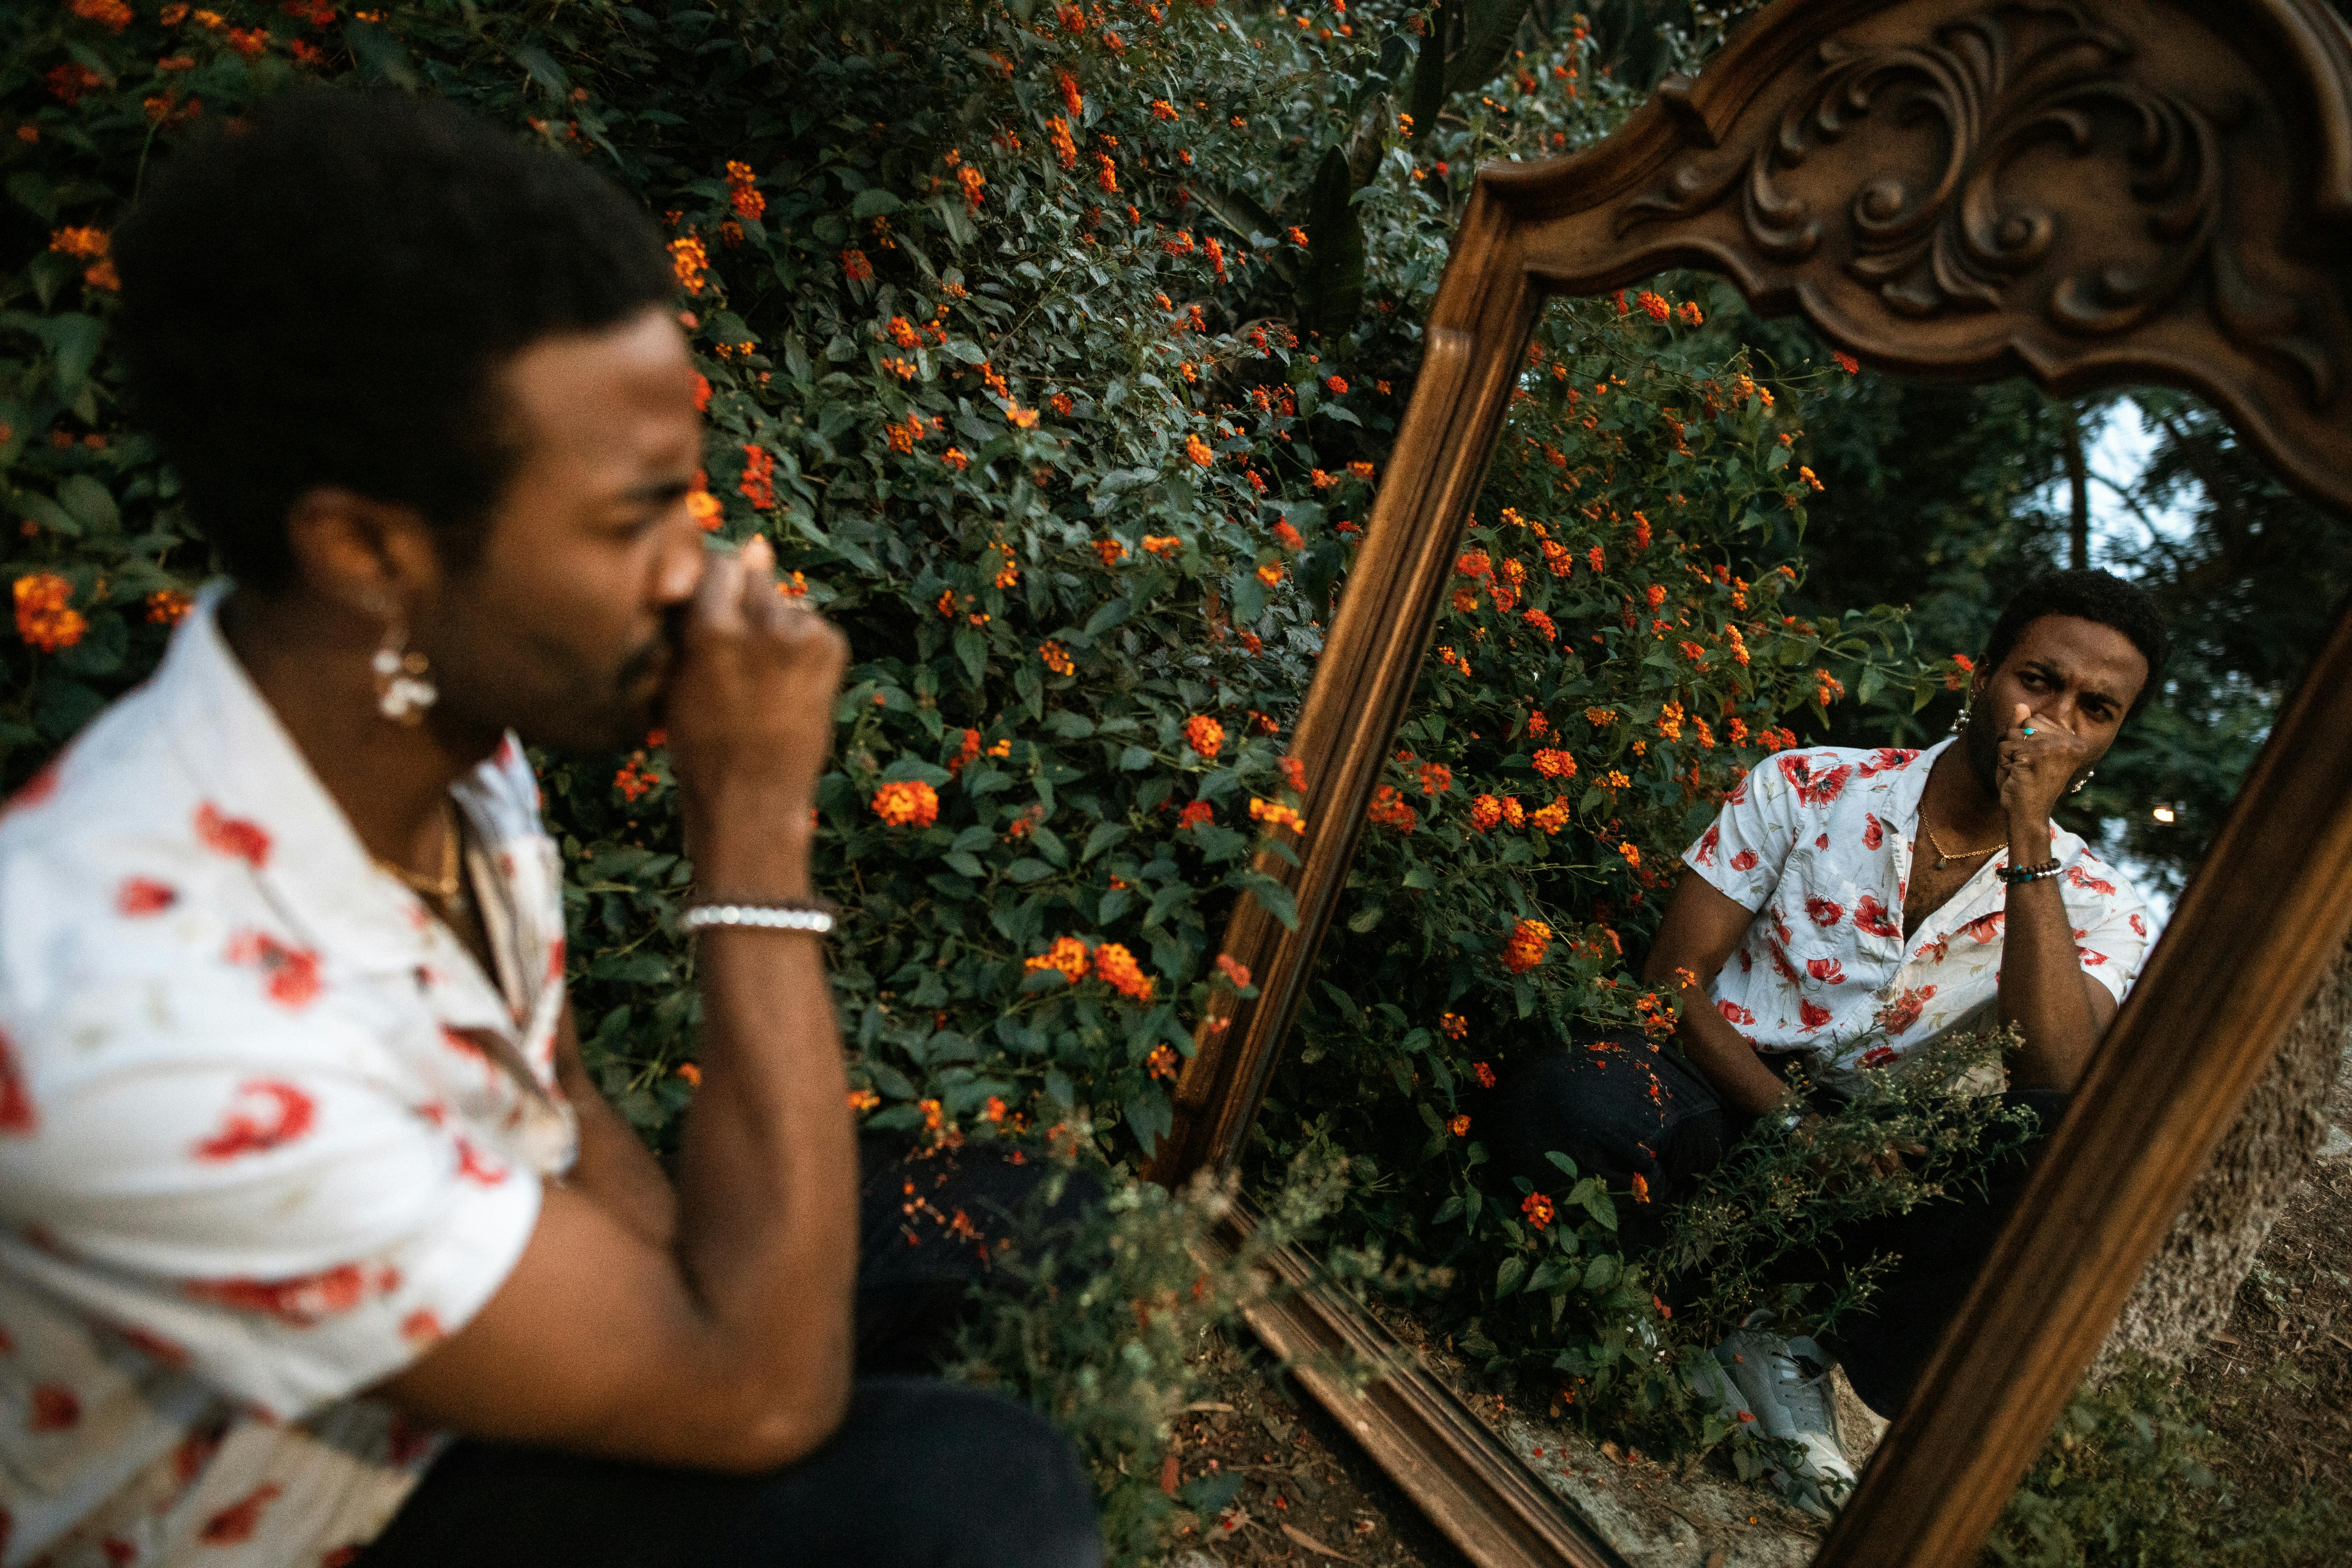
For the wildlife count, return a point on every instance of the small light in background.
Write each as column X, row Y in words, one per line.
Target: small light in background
column 2164, row 814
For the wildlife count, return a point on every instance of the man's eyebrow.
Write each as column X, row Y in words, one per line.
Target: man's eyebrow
column 2089, row 693
column 655, row 490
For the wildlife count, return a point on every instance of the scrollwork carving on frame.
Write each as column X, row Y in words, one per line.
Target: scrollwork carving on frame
column 1997, row 84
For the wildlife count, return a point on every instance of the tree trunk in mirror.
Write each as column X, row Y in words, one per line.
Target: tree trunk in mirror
column 2192, row 1283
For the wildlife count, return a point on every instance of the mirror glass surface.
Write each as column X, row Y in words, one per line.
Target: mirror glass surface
column 1720, row 606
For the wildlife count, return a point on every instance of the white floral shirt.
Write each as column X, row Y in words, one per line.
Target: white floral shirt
column 1818, row 847
column 267, row 1130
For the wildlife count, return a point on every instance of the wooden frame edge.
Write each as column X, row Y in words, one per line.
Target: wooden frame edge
column 1458, row 1473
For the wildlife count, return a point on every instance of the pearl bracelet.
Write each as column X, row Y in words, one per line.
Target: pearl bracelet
column 814, row 917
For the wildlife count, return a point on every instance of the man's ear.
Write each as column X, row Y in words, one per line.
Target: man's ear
column 375, row 559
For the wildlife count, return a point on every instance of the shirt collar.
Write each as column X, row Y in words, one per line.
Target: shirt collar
column 313, row 869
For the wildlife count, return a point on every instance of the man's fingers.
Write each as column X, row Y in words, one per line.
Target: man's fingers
column 719, row 597
column 2018, row 719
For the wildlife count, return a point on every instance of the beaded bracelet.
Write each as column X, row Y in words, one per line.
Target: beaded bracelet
column 814, row 916
column 2017, row 876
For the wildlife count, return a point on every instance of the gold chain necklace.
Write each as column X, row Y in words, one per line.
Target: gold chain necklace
column 1945, row 857
column 442, row 889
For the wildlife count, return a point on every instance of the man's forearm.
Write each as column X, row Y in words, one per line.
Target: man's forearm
column 767, row 1227
column 1732, row 1067
column 2041, row 985
column 1722, row 1055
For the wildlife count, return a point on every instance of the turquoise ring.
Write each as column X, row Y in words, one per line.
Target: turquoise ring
column 2029, row 728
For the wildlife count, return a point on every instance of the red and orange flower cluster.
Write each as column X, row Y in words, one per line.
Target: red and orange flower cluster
column 1111, row 964
column 45, row 616
column 906, row 803
column 1530, row 941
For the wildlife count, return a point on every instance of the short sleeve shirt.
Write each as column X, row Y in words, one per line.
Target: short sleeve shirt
column 1818, row 845
column 268, row 1130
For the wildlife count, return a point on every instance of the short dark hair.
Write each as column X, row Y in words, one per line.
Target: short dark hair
column 2090, row 596
column 322, row 295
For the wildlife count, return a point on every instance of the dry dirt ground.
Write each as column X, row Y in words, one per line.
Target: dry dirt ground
column 2280, row 1374
column 2279, row 1379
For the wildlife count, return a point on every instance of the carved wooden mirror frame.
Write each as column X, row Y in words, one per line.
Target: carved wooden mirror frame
column 1886, row 169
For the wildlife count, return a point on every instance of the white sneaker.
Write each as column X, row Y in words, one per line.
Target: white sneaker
column 1786, row 1383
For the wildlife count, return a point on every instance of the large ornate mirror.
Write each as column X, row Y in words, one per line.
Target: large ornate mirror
column 2087, row 196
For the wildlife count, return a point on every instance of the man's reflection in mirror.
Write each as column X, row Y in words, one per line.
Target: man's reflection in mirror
column 1845, row 908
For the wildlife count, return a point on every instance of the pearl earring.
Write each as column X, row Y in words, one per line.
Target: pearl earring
column 402, row 691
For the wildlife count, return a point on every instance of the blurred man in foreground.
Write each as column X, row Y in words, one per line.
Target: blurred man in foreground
column 300, row 1166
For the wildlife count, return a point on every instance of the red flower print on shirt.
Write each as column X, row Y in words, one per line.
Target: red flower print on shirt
column 1738, row 796
column 300, row 1302
column 1734, row 1013
column 1874, row 918
column 1779, row 926
column 1887, row 760
column 194, row 1452
column 144, row 895
column 235, row 1525
column 2139, row 926
column 408, row 1441
column 1828, row 970
column 2090, row 960
column 55, row 1408
column 1937, row 951
column 1815, row 789
column 474, row 1168
column 293, row 971
column 120, row 1553
column 1820, row 840
column 1904, row 1011
column 2081, row 879
column 281, row 1114
column 1703, row 854
column 422, row 1327
column 1747, row 961
column 17, row 1116
column 154, row 1347
column 38, row 789
column 232, row 836
column 1984, row 928
column 1780, row 961
column 1873, row 832
column 1744, row 861
column 1877, row 1056
column 1825, row 911
column 1812, row 1015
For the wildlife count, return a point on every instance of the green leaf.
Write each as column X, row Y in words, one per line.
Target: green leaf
column 1507, row 1277
column 543, row 70
column 874, row 202
column 1333, row 297
column 91, row 504
column 1104, row 836
column 1550, row 1272
column 1600, row 1273
column 378, row 51
column 965, row 865
column 1133, row 760
column 1487, row 26
column 1026, row 870
column 1278, row 899
column 1426, row 97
